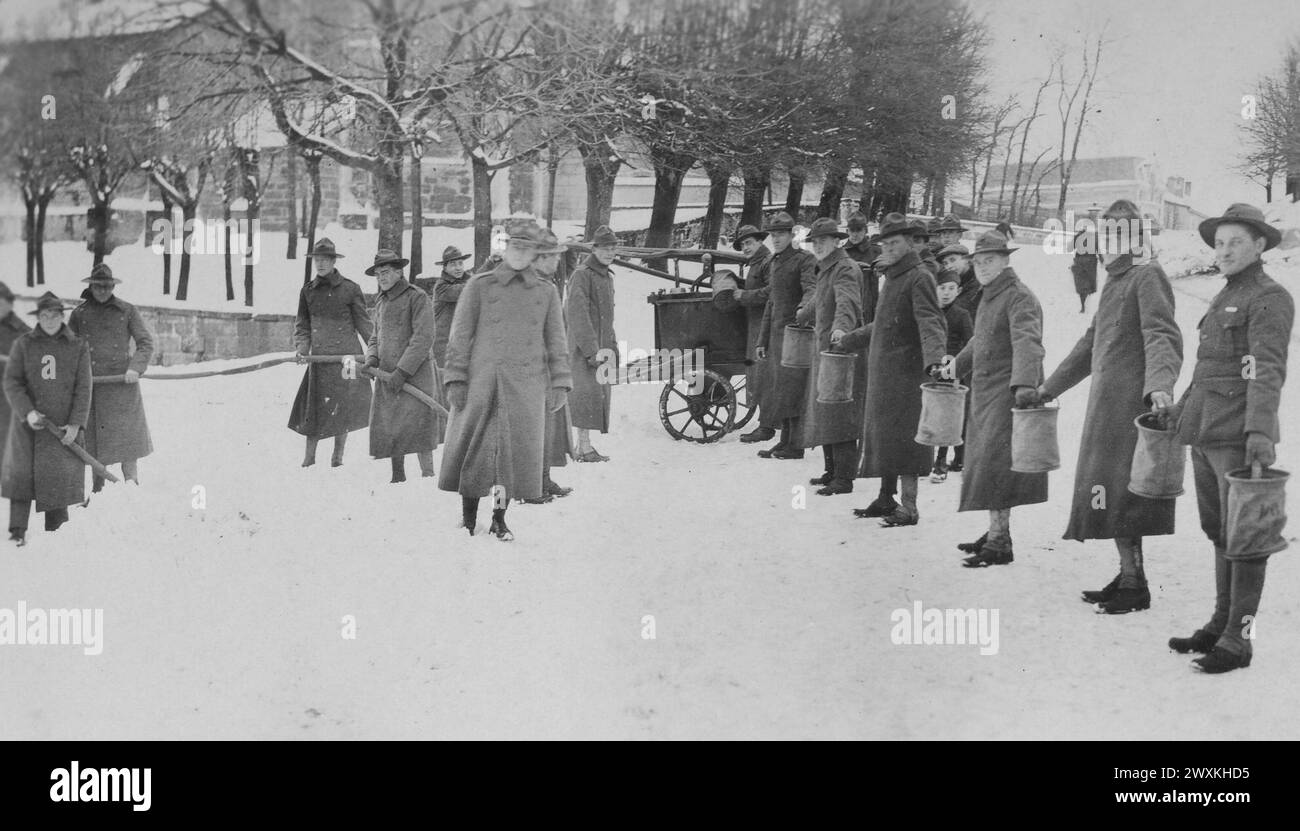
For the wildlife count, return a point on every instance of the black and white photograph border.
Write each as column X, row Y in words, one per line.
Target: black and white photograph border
column 613, row 273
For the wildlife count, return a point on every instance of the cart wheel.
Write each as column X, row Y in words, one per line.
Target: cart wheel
column 744, row 407
column 694, row 414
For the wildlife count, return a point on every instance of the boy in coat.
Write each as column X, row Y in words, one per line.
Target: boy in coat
column 47, row 382
column 1134, row 351
column 1229, row 416
column 960, row 331
column 332, row 320
column 1005, row 362
column 507, row 367
column 589, row 311
column 120, row 344
column 402, row 344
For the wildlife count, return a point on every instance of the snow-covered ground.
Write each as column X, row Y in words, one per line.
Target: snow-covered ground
column 769, row 619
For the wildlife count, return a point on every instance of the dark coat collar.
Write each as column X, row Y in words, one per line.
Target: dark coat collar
column 1250, row 272
column 397, row 290
column 905, row 263
column 593, row 264
column 64, row 332
column 1005, row 278
column 503, row 274
column 333, row 279
column 114, row 301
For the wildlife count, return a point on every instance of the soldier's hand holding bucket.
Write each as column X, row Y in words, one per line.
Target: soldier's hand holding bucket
column 836, row 337
column 1259, row 448
column 1164, row 408
column 1027, row 398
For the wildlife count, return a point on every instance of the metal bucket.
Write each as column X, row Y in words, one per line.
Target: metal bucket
column 1256, row 512
column 798, row 347
column 1159, row 461
column 835, row 377
column 943, row 414
column 1033, row 440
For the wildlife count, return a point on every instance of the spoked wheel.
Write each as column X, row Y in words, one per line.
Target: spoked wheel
column 744, row 406
column 695, row 408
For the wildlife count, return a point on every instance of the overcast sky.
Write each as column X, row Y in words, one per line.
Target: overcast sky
column 1174, row 74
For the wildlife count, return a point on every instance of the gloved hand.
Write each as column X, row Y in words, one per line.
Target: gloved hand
column 300, row 358
column 948, row 368
column 35, row 420
column 804, row 316
column 1259, row 448
column 935, row 371
column 836, row 337
column 70, row 434
column 396, row 381
column 457, row 393
column 556, row 398
column 1027, row 398
column 1161, row 401
column 1045, row 396
column 372, row 362
column 131, row 377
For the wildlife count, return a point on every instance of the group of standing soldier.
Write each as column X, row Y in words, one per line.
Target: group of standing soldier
column 878, row 300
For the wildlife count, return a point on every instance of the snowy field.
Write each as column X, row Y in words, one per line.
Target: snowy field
column 769, row 620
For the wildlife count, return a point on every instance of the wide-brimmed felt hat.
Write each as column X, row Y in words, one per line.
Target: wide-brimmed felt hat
column 101, row 273
column 893, row 224
column 781, row 221
column 1241, row 214
column 324, row 247
column 744, row 232
column 549, row 243
column 950, row 223
column 451, row 254
column 604, row 236
column 523, row 231
column 955, row 248
column 920, row 228
column 991, row 242
column 386, row 256
column 857, row 221
column 825, row 227
column 49, row 300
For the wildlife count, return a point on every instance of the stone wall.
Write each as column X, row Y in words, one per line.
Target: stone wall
column 183, row 336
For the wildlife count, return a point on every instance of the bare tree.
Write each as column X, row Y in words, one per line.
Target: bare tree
column 1072, row 105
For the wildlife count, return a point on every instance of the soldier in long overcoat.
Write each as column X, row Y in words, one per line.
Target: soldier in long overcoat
column 864, row 252
column 1133, row 351
column 558, row 435
column 402, row 343
column 332, row 320
column 1229, row 416
column 11, row 326
column 835, row 310
column 907, row 338
column 753, row 298
column 1005, row 362
column 46, row 381
column 507, row 366
column 791, row 280
column 593, row 355
column 120, row 344
column 446, row 294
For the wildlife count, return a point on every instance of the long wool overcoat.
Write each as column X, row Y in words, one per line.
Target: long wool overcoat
column 117, row 430
column 1006, row 352
column 49, row 374
column 508, row 344
column 753, row 298
column 11, row 326
column 332, row 320
column 792, row 279
column 403, row 338
column 589, row 313
column 1132, row 349
column 836, row 304
column 446, row 294
column 908, row 334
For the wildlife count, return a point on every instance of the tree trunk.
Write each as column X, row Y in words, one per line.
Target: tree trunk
column 291, row 174
column 417, row 215
column 756, row 179
column 482, row 178
column 253, row 215
column 386, row 181
column 42, row 204
column 670, row 170
column 1268, row 192
column 170, row 208
column 794, row 191
column 552, row 168
column 30, row 205
column 188, row 212
column 600, row 165
column 939, row 195
column 98, row 217
column 719, row 182
column 927, row 192
column 836, row 177
column 313, row 174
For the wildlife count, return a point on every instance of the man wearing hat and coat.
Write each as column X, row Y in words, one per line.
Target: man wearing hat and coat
column 507, row 367
column 120, row 344
column 792, row 280
column 11, row 326
column 1133, row 351
column 547, row 265
column 906, row 339
column 753, row 297
column 446, row 293
column 46, row 381
column 949, row 231
column 921, row 245
column 1085, row 265
column 864, row 252
column 589, row 311
column 1004, row 360
column 402, row 344
column 1229, row 416
column 834, row 311
column 332, row 320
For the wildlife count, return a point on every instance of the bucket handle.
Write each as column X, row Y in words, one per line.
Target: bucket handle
column 1256, row 470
